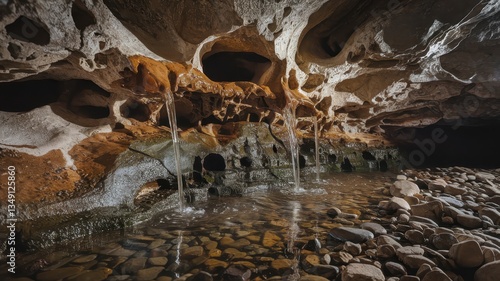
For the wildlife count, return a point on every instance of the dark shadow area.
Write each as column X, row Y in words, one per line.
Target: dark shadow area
column 28, row 30
column 453, row 145
column 136, row 110
column 82, row 16
column 235, row 66
column 28, row 95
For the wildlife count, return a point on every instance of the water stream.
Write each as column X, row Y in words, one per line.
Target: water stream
column 291, row 124
column 172, row 119
column 260, row 230
column 316, row 146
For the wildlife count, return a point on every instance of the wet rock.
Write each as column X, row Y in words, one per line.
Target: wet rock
column 156, row 243
column 158, row 261
column 354, row 235
column 341, row 257
column 234, row 253
column 386, row 240
column 491, row 213
column 149, row 273
column 409, row 278
column 467, row 254
column 118, row 251
column 270, row 239
column 443, row 241
column 84, row 259
column 200, row 276
column 192, row 252
column 59, row 273
column 358, row 271
column 374, row 228
column 310, row 261
column 312, row 278
column 329, row 272
column 488, row 272
column 469, row 221
column 236, row 273
column 333, row 212
column 98, row 274
column 213, row 264
column 133, row 265
column 395, row 268
column 402, row 188
column 281, row 264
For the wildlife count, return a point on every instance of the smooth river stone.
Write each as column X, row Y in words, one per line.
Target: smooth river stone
column 488, row 272
column 149, row 273
column 415, row 261
column 59, row 273
column 467, row 254
column 85, row 259
column 409, row 250
column 98, row 274
column 270, row 239
column 359, row 271
column 469, row 221
column 402, row 188
column 158, row 261
column 396, row 203
column 354, row 235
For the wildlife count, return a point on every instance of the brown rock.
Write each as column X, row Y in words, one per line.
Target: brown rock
column 467, row 254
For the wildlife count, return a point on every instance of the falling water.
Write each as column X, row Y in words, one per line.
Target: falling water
column 290, row 123
column 292, row 237
column 172, row 119
column 316, row 145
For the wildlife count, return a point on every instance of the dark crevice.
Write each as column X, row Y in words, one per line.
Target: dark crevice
column 82, row 16
column 214, row 162
column 90, row 111
column 28, row 95
column 28, row 30
column 235, row 66
column 136, row 110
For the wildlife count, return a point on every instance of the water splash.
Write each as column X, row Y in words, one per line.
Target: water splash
column 290, row 123
column 292, row 237
column 172, row 119
column 316, row 146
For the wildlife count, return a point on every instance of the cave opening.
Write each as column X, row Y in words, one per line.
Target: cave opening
column 235, row 66
column 445, row 145
column 23, row 96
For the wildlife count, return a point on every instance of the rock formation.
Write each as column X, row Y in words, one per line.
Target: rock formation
column 80, row 81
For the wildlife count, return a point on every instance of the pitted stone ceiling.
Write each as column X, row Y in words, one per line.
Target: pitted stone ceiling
column 360, row 67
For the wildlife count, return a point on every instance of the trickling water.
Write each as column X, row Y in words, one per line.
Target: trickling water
column 316, row 145
column 290, row 123
column 292, row 237
column 172, row 119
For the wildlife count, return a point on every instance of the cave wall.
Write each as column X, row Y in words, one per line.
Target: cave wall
column 82, row 80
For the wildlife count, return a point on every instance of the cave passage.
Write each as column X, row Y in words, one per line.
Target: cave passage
column 448, row 146
column 235, row 66
column 28, row 95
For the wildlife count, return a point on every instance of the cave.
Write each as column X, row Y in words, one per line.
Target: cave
column 22, row 96
column 386, row 168
column 235, row 66
column 454, row 143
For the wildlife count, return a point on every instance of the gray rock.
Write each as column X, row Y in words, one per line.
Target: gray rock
column 374, row 228
column 354, row 235
column 409, row 250
column 402, row 188
column 359, row 271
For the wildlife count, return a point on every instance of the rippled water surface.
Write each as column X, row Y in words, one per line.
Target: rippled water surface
column 261, row 232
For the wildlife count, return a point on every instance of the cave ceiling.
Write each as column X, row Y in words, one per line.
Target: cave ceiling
column 359, row 67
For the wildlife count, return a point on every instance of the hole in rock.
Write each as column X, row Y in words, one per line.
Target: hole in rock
column 214, row 162
column 90, row 111
column 445, row 145
column 136, row 110
column 82, row 15
column 368, row 156
column 235, row 66
column 14, row 50
column 28, row 30
column 27, row 95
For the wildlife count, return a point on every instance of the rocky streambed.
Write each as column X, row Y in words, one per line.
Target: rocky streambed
column 433, row 224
